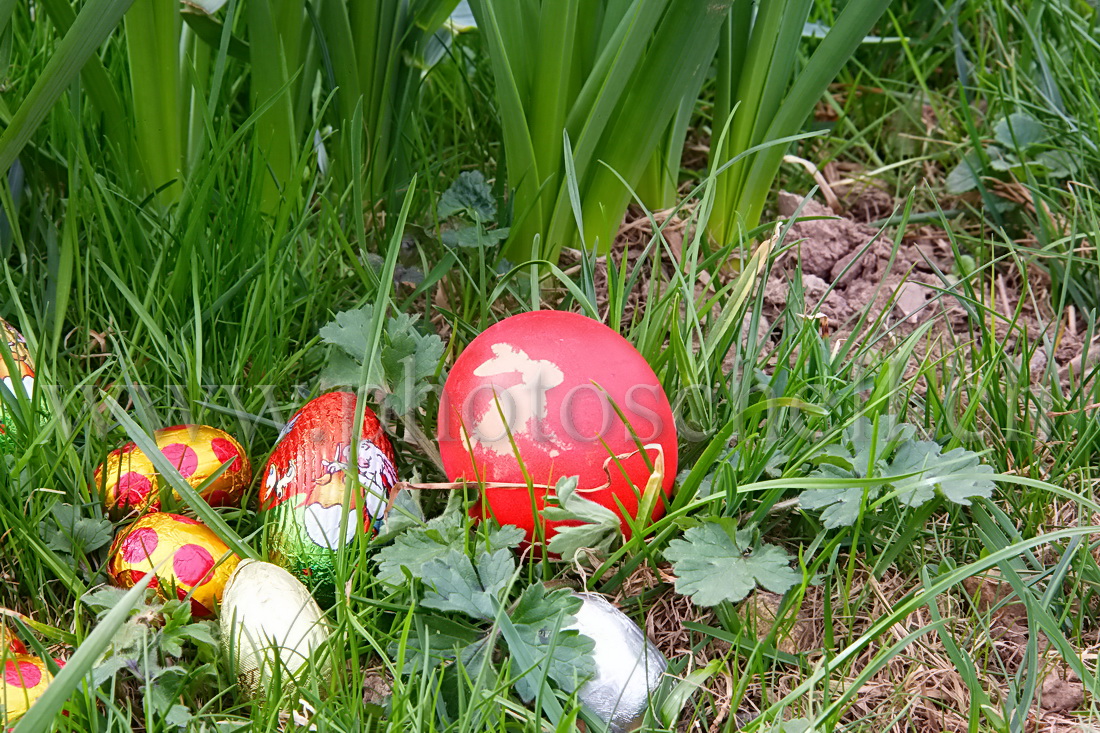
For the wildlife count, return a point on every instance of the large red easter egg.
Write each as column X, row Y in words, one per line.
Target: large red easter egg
column 303, row 486
column 546, row 389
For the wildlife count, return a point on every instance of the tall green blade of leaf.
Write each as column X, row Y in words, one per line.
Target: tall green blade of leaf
column 754, row 75
column 854, row 23
column 511, row 88
column 99, row 88
column 96, row 21
column 153, row 45
column 682, row 47
column 274, row 44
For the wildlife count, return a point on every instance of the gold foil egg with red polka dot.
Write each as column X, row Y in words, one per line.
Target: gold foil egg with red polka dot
column 128, row 482
column 196, row 562
column 26, row 677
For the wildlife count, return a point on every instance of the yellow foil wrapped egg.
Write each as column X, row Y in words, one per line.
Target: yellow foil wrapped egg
column 25, row 679
column 191, row 550
column 128, row 481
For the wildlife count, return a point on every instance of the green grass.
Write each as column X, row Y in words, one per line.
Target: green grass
column 203, row 303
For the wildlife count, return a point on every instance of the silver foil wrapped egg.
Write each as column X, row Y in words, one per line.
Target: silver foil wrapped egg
column 629, row 668
column 269, row 624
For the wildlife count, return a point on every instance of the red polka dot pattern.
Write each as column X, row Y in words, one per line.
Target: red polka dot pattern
column 133, row 487
column 224, row 450
column 192, row 564
column 141, row 543
column 129, row 481
column 185, row 553
column 21, row 674
column 183, row 457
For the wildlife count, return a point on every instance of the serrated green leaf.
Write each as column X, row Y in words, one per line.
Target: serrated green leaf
column 422, row 543
column 417, row 546
column 350, row 331
column 469, row 193
column 840, row 506
column 439, row 640
column 75, row 532
column 540, row 617
column 965, row 477
column 914, row 457
column 712, row 565
column 456, row 584
column 599, row 527
column 178, row 716
column 406, row 361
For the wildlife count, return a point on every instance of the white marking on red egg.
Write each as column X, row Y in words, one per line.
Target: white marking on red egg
column 521, row 404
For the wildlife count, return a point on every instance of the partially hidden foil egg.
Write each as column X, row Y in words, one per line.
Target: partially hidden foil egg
column 23, row 374
column 128, row 481
column 25, row 679
column 11, row 642
column 303, row 485
column 545, row 395
column 197, row 563
column 629, row 668
column 270, row 627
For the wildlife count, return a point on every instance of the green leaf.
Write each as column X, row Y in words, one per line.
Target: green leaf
column 599, row 528
column 417, row 546
column 76, row 533
column 715, row 563
column 914, row 457
column 1056, row 163
column 964, row 176
column 469, row 193
column 407, row 359
column 456, row 584
column 439, row 639
column 434, row 539
column 474, row 236
column 841, row 505
column 967, row 477
column 1019, row 131
column 540, row 617
column 350, row 331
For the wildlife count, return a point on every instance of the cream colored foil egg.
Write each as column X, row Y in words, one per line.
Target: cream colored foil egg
column 629, row 668
column 270, row 622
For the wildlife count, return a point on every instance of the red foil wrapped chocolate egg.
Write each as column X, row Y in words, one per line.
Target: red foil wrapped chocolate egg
column 128, row 481
column 192, row 552
column 303, row 487
column 547, row 388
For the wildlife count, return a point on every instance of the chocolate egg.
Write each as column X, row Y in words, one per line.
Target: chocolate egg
column 11, row 642
column 269, row 622
column 23, row 373
column 544, row 395
column 302, row 493
column 192, row 552
column 25, row 679
column 129, row 482
column 629, row 668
